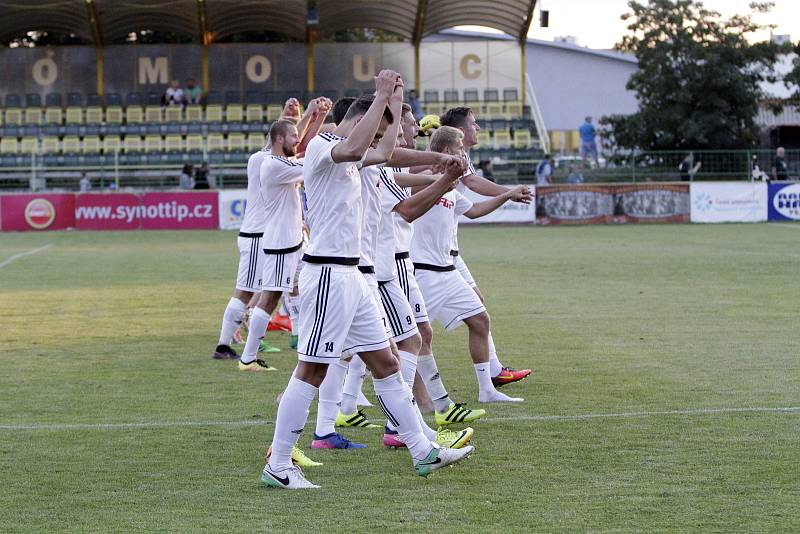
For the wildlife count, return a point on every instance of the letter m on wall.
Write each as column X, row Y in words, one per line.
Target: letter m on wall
column 153, row 70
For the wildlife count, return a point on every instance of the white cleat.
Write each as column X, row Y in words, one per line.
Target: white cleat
column 440, row 457
column 291, row 478
column 496, row 396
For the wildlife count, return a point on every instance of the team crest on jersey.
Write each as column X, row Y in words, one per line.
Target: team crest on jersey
column 445, row 203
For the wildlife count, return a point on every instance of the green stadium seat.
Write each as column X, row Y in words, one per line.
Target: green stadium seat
column 153, row 143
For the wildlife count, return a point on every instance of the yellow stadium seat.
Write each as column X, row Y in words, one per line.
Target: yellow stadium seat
column 215, row 142
column 91, row 144
column 29, row 145
column 234, row 113
column 153, row 143
column 484, row 140
column 114, row 115
column 74, row 115
column 256, row 141
column 434, row 108
column 153, row 114
column 173, row 143
column 111, row 144
column 214, row 113
column 9, row 145
column 194, row 143
column 513, row 110
column 50, row 145
column 173, row 114
column 494, row 110
column 33, row 115
column 502, row 139
column 236, row 142
column 133, row 143
column 71, row 144
column 53, row 115
column 522, row 139
column 274, row 112
column 194, row 113
column 254, row 112
column 14, row 117
column 134, row 115
column 94, row 115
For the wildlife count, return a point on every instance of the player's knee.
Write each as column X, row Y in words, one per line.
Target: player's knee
column 411, row 344
column 269, row 300
column 425, row 333
column 480, row 323
column 242, row 295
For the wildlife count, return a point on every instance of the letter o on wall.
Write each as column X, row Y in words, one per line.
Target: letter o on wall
column 464, row 66
column 258, row 69
column 45, row 71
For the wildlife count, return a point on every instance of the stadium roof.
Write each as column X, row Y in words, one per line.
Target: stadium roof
column 208, row 20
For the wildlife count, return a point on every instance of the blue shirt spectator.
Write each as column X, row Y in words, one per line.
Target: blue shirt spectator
column 416, row 107
column 587, row 131
column 588, row 148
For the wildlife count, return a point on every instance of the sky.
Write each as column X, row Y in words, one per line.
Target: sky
column 597, row 24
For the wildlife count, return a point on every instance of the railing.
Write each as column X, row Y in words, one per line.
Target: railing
column 536, row 115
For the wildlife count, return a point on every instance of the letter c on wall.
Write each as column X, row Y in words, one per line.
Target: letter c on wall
column 464, row 66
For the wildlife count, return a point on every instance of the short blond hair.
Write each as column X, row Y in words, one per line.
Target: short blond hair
column 445, row 137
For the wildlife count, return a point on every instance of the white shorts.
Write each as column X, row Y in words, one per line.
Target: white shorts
column 408, row 283
column 398, row 310
column 463, row 270
column 280, row 270
column 449, row 298
column 338, row 314
column 372, row 282
column 251, row 264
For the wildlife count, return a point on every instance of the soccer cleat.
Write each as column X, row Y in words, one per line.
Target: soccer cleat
column 357, row 420
column 334, row 441
column 453, row 440
column 267, row 348
column 224, row 352
column 391, row 438
column 292, row 478
column 299, row 458
column 509, row 376
column 440, row 457
column 237, row 337
column 293, row 342
column 256, row 365
column 456, row 413
column 280, row 323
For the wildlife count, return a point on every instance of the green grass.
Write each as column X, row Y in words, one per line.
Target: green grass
column 119, row 327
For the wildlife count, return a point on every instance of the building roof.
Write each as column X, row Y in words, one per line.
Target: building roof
column 209, row 20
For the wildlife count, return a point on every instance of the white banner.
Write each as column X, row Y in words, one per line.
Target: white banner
column 715, row 202
column 231, row 208
column 510, row 212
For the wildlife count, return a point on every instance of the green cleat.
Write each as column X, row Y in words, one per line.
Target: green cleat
column 266, row 347
column 356, row 420
column 440, row 457
column 453, row 440
column 457, row 413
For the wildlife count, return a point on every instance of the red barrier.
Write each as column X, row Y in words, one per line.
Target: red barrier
column 31, row 212
column 180, row 211
column 107, row 211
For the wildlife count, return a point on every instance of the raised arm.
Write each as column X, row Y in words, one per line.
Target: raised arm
column 404, row 179
column 419, row 203
column 408, row 157
column 318, row 109
column 479, row 209
column 388, row 142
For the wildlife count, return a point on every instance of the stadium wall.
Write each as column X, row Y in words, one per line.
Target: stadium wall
column 700, row 202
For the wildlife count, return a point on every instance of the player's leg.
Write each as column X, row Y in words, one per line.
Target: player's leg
column 410, row 288
column 479, row 325
column 248, row 282
column 330, row 396
column 259, row 320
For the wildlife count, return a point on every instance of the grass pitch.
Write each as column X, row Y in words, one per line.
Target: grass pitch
column 665, row 394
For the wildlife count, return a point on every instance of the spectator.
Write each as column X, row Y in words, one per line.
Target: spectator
column 416, row 107
column 201, row 177
column 85, row 183
column 687, row 170
column 544, row 171
column 588, row 142
column 186, row 181
column 780, row 171
column 193, row 94
column 485, row 169
column 174, row 95
column 574, row 177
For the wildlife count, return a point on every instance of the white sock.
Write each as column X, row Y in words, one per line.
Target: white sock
column 293, row 306
column 495, row 367
column 352, row 385
column 426, row 367
column 408, row 368
column 292, row 417
column 259, row 320
column 486, row 390
column 330, row 394
column 231, row 320
column 394, row 398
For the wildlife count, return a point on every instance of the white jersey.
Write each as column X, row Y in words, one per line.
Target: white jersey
column 461, row 188
column 371, row 219
column 391, row 195
column 403, row 230
column 333, row 195
column 433, row 231
column 280, row 182
column 254, row 211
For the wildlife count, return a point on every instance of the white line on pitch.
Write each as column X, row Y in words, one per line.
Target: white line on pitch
column 22, row 254
column 260, row 422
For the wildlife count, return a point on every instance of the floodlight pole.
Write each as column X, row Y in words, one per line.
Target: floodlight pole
column 94, row 23
column 419, row 27
column 206, row 37
column 522, row 38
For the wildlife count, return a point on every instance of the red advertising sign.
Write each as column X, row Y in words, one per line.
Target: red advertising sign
column 107, row 211
column 31, row 212
column 179, row 211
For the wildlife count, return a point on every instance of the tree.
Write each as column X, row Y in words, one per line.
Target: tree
column 792, row 79
column 698, row 78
